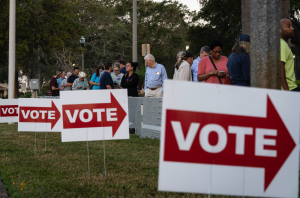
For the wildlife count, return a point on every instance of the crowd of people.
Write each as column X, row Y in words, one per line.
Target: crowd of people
column 209, row 67
column 107, row 76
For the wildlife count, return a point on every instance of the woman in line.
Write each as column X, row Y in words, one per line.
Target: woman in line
column 178, row 58
column 213, row 69
column 131, row 80
column 117, row 76
column 183, row 67
column 95, row 78
column 80, row 83
column 239, row 62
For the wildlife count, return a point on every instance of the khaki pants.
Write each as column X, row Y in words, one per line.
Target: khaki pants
column 157, row 93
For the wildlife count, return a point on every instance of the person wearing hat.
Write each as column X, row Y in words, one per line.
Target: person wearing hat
column 183, row 67
column 80, row 83
column 213, row 69
column 239, row 62
column 54, row 85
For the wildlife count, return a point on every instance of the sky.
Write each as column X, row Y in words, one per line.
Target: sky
column 192, row 4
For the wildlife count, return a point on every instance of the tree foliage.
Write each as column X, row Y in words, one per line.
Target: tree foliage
column 218, row 19
column 48, row 34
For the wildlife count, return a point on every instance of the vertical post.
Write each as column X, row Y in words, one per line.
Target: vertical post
column 265, row 43
column 12, row 49
column 134, row 32
column 145, row 54
column 82, row 62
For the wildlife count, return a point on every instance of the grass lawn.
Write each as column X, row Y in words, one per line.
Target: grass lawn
column 61, row 170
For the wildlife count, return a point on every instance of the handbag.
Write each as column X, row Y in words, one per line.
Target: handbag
column 215, row 69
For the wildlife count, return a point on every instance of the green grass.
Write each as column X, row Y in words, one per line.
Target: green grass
column 61, row 170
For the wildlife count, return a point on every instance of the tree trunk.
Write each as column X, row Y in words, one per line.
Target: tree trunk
column 246, row 16
column 285, row 9
column 265, row 44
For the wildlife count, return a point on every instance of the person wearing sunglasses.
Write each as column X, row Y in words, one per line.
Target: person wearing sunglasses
column 213, row 68
column 131, row 80
column 116, row 76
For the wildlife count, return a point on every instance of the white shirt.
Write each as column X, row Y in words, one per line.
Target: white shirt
column 183, row 72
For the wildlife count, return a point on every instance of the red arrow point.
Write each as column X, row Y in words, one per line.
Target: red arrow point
column 57, row 114
column 121, row 114
column 284, row 144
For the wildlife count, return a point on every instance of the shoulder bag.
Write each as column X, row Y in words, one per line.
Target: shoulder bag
column 215, row 69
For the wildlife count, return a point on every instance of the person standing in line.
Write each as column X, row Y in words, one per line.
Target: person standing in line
column 178, row 58
column 73, row 77
column 62, row 77
column 80, row 83
column 154, row 77
column 122, row 67
column 288, row 78
column 204, row 52
column 213, row 69
column 64, row 83
column 183, row 67
column 239, row 62
column 95, row 78
column 117, row 76
column 131, row 80
column 54, row 86
column 105, row 80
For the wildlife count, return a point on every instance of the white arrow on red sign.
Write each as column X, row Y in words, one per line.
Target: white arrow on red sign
column 39, row 114
column 231, row 140
column 109, row 114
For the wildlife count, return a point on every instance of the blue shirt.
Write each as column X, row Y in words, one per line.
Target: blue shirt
column 239, row 69
column 123, row 71
column 95, row 79
column 59, row 81
column 105, row 79
column 155, row 76
column 194, row 69
column 100, row 76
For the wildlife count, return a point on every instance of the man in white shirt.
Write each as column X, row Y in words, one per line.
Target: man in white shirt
column 205, row 51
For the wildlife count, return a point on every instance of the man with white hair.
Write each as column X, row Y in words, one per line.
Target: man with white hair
column 80, row 83
column 154, row 77
column 64, row 83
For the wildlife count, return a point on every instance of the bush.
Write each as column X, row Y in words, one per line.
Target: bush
column 26, row 95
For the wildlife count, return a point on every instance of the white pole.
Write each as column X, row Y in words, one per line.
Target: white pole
column 134, row 32
column 12, row 49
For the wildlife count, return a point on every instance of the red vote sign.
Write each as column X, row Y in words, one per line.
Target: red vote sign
column 94, row 115
column 220, row 139
column 40, row 114
column 9, row 110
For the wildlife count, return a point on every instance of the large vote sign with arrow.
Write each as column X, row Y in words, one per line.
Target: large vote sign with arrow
column 229, row 140
column 94, row 115
column 9, row 110
column 40, row 115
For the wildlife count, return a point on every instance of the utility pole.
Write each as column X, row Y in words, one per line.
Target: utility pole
column 134, row 32
column 12, row 49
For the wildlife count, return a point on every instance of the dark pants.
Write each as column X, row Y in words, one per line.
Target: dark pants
column 55, row 93
column 297, row 89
